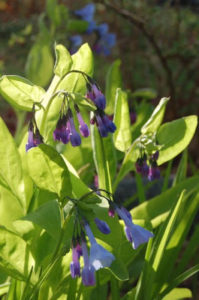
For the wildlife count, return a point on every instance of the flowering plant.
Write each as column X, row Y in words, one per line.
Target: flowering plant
column 56, row 228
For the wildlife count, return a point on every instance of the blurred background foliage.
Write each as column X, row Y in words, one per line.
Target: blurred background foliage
column 157, row 42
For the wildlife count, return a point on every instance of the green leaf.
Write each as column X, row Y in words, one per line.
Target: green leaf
column 128, row 163
column 175, row 136
column 156, row 118
column 161, row 204
column 178, row 293
column 39, row 65
column 73, row 82
column 182, row 277
column 53, row 12
column 182, row 168
column 47, row 216
column 20, row 92
column 11, row 175
column 63, row 61
column 15, row 258
column 145, row 93
column 113, row 81
column 48, row 170
column 122, row 135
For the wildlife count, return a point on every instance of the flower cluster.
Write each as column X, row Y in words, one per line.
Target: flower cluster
column 98, row 257
column 34, row 136
column 65, row 130
column 104, row 41
column 151, row 171
column 104, row 124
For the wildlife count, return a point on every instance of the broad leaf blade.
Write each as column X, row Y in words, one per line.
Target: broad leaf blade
column 48, row 170
column 20, row 92
column 175, row 136
column 122, row 135
column 63, row 61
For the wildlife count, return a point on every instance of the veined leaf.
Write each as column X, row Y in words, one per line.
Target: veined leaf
column 175, row 136
column 48, row 170
column 20, row 92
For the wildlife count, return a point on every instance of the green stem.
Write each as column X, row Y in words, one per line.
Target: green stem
column 140, row 188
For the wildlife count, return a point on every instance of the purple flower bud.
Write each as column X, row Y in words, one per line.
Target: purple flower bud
column 154, row 173
column 74, row 135
column 142, row 167
column 88, row 272
column 133, row 117
column 96, row 96
column 102, row 226
column 34, row 138
column 101, row 126
column 83, row 128
column 111, row 212
column 109, row 124
column 155, row 156
column 75, row 265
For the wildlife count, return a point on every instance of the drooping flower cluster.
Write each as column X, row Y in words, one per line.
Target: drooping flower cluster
column 98, row 257
column 104, row 41
column 34, row 136
column 151, row 171
column 65, row 130
column 104, row 124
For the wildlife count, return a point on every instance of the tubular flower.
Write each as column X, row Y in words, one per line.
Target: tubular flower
column 96, row 95
column 142, row 166
column 86, row 13
column 83, row 128
column 61, row 132
column 136, row 234
column 74, row 135
column 75, row 265
column 34, row 137
column 99, row 257
column 88, row 272
column 104, row 124
column 102, row 226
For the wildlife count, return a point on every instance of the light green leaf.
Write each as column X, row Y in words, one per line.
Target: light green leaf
column 63, row 60
column 20, row 92
column 145, row 93
column 15, row 258
column 48, row 170
column 39, row 65
column 122, row 135
column 178, row 293
column 113, row 81
column 182, row 168
column 175, row 136
column 47, row 216
column 11, row 175
column 156, row 118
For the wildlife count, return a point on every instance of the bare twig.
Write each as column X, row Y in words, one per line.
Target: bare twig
column 139, row 23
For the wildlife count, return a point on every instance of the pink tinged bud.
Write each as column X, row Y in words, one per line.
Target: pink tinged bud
column 75, row 265
column 102, row 226
column 154, row 173
column 111, row 212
